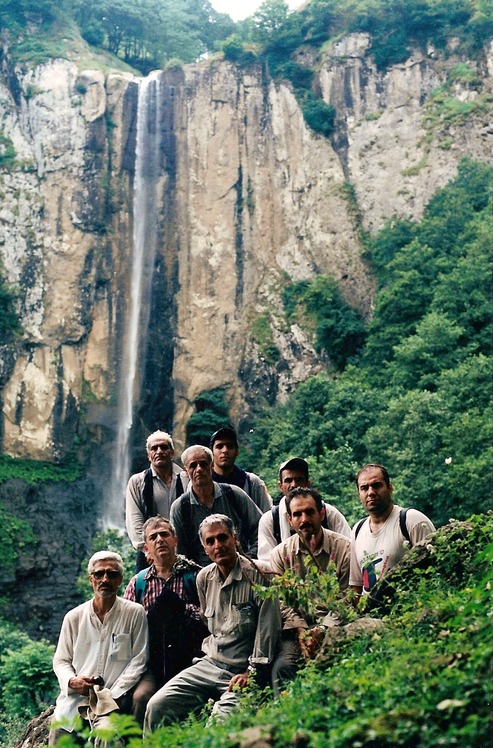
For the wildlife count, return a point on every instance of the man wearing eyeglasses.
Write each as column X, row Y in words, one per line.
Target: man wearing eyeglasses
column 205, row 497
column 152, row 491
column 102, row 650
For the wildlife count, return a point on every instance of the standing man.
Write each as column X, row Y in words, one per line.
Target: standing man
column 152, row 491
column 275, row 526
column 225, row 450
column 243, row 629
column 102, row 649
column 311, row 540
column 168, row 592
column 379, row 541
column 205, row 497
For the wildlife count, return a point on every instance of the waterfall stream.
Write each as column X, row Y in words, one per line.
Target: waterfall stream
column 137, row 309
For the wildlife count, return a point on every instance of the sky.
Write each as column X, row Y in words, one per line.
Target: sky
column 239, row 9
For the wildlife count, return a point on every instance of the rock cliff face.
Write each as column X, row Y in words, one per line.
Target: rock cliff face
column 247, row 198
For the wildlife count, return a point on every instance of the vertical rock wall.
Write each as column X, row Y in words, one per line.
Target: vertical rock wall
column 249, row 199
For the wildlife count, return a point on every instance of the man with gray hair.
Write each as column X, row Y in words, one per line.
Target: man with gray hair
column 205, row 497
column 152, row 491
column 244, row 632
column 102, row 650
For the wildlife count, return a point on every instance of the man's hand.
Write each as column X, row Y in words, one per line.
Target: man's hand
column 240, row 680
column 310, row 641
column 81, row 684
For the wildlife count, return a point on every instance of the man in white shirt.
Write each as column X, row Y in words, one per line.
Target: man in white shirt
column 274, row 526
column 379, row 541
column 102, row 650
column 152, row 491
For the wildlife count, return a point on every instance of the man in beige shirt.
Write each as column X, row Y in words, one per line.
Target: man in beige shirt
column 244, row 632
column 306, row 512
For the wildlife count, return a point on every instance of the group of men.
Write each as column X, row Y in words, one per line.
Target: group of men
column 191, row 626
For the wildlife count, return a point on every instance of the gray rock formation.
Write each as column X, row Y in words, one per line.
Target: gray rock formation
column 248, row 199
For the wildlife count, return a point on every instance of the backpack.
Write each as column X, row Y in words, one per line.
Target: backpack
column 148, row 493
column 190, row 534
column 276, row 524
column 188, row 584
column 402, row 525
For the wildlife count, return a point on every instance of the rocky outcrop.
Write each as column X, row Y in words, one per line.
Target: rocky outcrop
column 248, row 198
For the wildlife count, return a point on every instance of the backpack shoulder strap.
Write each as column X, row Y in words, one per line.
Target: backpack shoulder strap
column 140, row 585
column 148, row 494
column 359, row 526
column 403, row 524
column 190, row 586
column 276, row 523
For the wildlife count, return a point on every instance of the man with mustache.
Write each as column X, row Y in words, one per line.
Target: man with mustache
column 168, row 592
column 244, row 632
column 311, row 544
column 102, row 650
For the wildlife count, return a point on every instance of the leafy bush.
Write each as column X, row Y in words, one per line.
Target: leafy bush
column 318, row 115
column 212, row 412
column 339, row 329
column 27, row 682
column 15, row 533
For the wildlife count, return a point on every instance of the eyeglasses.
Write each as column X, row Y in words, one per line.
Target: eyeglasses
column 110, row 573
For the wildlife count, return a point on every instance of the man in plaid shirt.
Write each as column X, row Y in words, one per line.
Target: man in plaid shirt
column 168, row 592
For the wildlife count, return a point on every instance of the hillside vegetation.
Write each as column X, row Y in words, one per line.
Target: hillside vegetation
column 412, row 386
column 421, row 681
column 147, row 33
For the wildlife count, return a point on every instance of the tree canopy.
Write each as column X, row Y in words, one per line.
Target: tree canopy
column 416, row 394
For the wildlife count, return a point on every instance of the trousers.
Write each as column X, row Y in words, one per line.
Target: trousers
column 189, row 691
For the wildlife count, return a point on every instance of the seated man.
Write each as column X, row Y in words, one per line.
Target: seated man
column 379, row 541
column 244, row 632
column 102, row 649
column 274, row 526
column 168, row 592
column 225, row 450
column 306, row 512
column 205, row 497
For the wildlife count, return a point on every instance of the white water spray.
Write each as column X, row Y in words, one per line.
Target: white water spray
column 137, row 315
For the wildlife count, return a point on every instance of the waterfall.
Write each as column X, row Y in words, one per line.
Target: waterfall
column 137, row 312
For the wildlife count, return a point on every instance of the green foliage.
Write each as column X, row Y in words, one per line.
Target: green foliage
column 10, row 325
column 7, row 152
column 314, row 595
column 27, row 682
column 212, row 412
column 15, row 533
column 234, row 50
column 262, row 335
column 108, row 540
column 35, row 472
column 419, row 397
column 269, row 19
column 339, row 329
column 423, row 680
column 318, row 115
